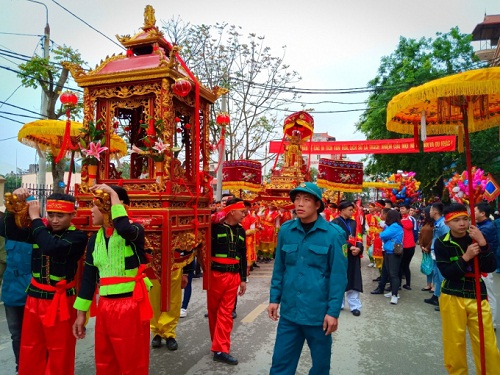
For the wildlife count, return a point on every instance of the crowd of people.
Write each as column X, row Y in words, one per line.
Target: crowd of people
column 308, row 239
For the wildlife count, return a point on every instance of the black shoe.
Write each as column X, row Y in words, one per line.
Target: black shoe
column 425, row 289
column 432, row 301
column 172, row 344
column 436, row 308
column 407, row 287
column 377, row 279
column 206, row 315
column 356, row 312
column 234, row 315
column 377, row 291
column 156, row 342
column 225, row 358
column 255, row 265
column 388, row 289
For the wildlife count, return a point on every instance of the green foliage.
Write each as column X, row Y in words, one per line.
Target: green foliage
column 12, row 182
column 413, row 63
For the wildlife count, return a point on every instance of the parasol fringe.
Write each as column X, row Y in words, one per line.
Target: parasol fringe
column 474, row 82
column 241, row 185
column 439, row 129
column 346, row 188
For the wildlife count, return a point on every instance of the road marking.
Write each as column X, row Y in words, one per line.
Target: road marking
column 254, row 314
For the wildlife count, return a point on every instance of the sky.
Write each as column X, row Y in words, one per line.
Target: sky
column 332, row 44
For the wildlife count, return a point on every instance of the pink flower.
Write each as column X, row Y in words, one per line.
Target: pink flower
column 160, row 146
column 94, row 150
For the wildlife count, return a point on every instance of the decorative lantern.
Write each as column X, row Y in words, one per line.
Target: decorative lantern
column 68, row 99
column 222, row 119
column 181, row 87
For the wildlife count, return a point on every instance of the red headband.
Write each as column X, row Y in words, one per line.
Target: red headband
column 378, row 205
column 454, row 215
column 65, row 207
column 235, row 206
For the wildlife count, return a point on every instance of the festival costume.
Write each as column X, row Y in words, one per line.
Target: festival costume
column 269, row 222
column 354, row 279
column 124, row 311
column 309, row 280
column 458, row 305
column 373, row 238
column 164, row 324
column 47, row 341
column 227, row 270
column 250, row 224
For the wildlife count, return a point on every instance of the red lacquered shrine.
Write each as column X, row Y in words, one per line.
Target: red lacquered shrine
column 151, row 99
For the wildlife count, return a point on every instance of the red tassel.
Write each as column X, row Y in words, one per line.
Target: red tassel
column 66, row 143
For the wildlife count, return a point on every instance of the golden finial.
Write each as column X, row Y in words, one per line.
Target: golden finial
column 149, row 17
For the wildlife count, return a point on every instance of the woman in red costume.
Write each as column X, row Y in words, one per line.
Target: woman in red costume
column 115, row 257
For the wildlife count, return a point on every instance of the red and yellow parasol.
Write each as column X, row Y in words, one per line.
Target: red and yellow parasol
column 458, row 104
column 47, row 135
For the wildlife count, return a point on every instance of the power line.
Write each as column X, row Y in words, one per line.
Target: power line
column 10, row 119
column 86, row 23
column 24, row 109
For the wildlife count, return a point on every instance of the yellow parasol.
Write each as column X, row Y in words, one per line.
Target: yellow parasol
column 47, row 135
column 457, row 104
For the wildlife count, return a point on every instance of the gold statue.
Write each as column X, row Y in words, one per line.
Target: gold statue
column 18, row 207
column 103, row 202
column 149, row 17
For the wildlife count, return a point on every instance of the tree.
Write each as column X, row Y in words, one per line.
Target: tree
column 255, row 78
column 51, row 77
column 413, row 63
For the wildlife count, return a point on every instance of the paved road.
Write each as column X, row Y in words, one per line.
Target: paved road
column 385, row 339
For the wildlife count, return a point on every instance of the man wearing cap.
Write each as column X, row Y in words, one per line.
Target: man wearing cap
column 47, row 341
column 309, row 280
column 354, row 243
column 228, row 273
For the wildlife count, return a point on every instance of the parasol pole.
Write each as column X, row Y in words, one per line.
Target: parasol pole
column 477, row 273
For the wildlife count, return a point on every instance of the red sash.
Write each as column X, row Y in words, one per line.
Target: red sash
column 59, row 302
column 140, row 293
column 224, row 260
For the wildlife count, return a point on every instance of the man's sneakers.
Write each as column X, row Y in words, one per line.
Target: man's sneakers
column 394, row 300
column 377, row 291
column 432, row 301
column 156, row 342
column 172, row 344
column 183, row 313
column 356, row 312
column 388, row 295
column 225, row 358
column 371, row 265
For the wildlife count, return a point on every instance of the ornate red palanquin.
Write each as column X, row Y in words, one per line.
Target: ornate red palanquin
column 131, row 94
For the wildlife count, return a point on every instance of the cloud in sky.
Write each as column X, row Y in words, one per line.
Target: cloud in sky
column 332, row 44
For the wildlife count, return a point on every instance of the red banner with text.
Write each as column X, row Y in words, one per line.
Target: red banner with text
column 444, row 143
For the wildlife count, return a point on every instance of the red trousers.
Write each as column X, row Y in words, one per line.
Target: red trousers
column 46, row 350
column 220, row 301
column 121, row 338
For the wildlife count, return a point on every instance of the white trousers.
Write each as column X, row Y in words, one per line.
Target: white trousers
column 492, row 299
column 352, row 297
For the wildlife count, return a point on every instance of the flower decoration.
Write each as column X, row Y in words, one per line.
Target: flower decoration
column 160, row 148
column 92, row 140
column 92, row 154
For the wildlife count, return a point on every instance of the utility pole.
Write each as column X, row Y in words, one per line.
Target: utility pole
column 222, row 151
column 42, row 160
